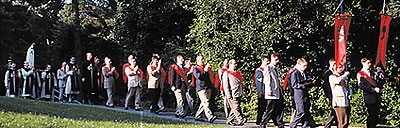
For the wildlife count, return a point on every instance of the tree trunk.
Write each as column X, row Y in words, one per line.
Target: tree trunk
column 77, row 39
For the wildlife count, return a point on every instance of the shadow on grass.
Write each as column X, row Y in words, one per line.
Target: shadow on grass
column 23, row 106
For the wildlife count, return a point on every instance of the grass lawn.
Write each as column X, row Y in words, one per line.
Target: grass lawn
column 29, row 113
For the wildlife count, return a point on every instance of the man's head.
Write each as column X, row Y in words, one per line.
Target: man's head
column 200, row 60
column 48, row 67
column 264, row 60
column 155, row 58
column 274, row 58
column 89, row 56
column 13, row 65
column 331, row 62
column 232, row 64
column 26, row 64
column 188, row 63
column 107, row 60
column 302, row 64
column 96, row 60
column 366, row 63
column 180, row 59
column 63, row 64
column 132, row 61
column 72, row 59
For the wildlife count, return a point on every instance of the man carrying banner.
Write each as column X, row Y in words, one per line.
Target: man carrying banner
column 371, row 84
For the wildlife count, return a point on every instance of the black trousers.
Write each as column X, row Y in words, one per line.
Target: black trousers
column 154, row 97
column 262, row 105
column 274, row 111
column 373, row 114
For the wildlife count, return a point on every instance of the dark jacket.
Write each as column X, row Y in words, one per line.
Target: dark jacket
column 201, row 79
column 369, row 94
column 176, row 80
column 299, row 89
column 326, row 86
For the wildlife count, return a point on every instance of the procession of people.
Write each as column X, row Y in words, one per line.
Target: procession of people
column 199, row 85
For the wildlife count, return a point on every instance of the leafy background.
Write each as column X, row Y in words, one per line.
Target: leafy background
column 240, row 29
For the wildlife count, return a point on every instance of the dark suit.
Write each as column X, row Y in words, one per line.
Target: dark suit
column 301, row 100
column 262, row 102
column 328, row 93
column 372, row 100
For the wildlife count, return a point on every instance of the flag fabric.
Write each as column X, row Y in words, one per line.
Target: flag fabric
column 342, row 25
column 383, row 37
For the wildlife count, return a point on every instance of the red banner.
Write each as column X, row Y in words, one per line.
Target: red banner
column 383, row 37
column 342, row 25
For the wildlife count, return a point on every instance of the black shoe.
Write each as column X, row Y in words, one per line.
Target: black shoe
column 126, row 108
column 231, row 123
column 243, row 122
column 138, row 109
column 212, row 119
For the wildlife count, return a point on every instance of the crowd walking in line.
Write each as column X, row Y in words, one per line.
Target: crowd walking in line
column 190, row 82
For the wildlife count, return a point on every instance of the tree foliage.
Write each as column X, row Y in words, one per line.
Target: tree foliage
column 216, row 29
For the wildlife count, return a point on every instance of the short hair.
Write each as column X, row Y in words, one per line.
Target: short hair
column 331, row 60
column 155, row 56
column 274, row 54
column 231, row 61
column 264, row 56
column 179, row 55
column 301, row 61
column 363, row 60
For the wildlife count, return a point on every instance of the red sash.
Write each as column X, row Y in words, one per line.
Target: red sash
column 101, row 74
column 237, row 75
column 217, row 81
column 365, row 75
column 62, row 70
column 123, row 72
column 180, row 72
column 287, row 78
column 140, row 72
column 201, row 69
column 254, row 76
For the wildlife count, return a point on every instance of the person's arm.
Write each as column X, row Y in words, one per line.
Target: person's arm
column 295, row 81
column 226, row 84
column 172, row 77
column 259, row 82
column 6, row 79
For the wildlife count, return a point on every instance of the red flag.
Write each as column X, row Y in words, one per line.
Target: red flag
column 383, row 37
column 342, row 25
